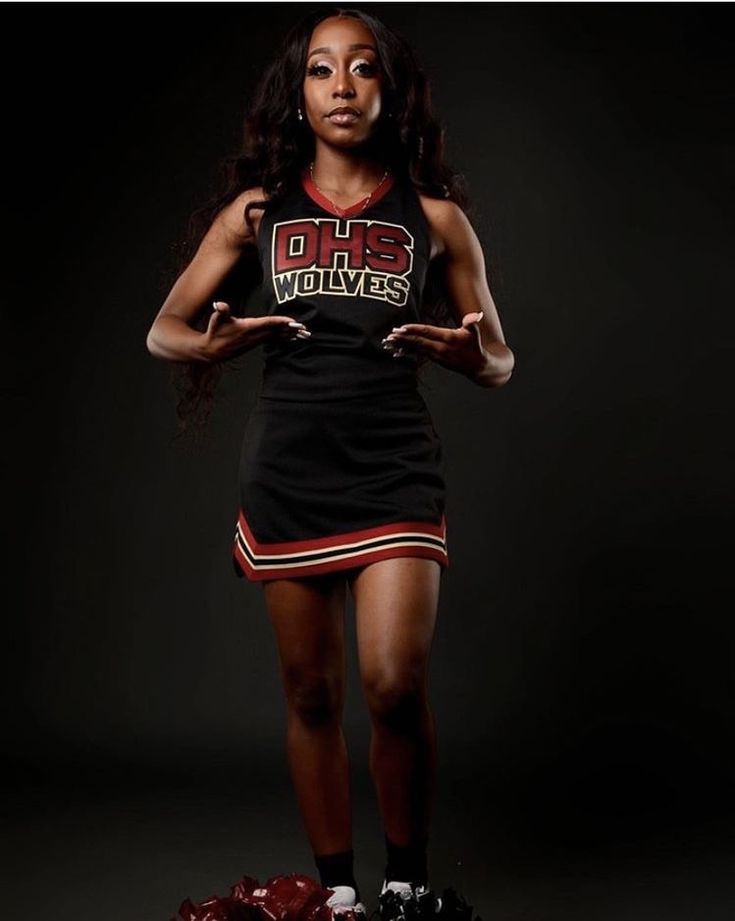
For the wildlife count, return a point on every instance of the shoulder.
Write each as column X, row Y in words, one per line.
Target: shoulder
column 231, row 219
column 447, row 222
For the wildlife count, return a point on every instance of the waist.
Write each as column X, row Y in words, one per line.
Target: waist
column 335, row 377
column 361, row 413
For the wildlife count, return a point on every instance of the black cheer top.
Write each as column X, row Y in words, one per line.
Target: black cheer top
column 350, row 277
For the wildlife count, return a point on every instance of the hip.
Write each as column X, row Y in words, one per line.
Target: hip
column 356, row 436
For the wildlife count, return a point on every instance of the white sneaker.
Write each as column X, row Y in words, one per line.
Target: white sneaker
column 343, row 901
column 405, row 890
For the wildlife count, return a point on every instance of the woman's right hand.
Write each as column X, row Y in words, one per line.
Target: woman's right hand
column 227, row 336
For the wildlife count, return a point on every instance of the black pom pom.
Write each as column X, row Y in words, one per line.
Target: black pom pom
column 454, row 907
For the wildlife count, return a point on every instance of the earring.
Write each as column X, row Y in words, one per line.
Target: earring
column 300, row 116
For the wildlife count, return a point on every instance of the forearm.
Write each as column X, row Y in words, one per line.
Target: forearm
column 498, row 366
column 172, row 339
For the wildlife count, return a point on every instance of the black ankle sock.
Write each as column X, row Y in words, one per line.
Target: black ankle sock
column 337, row 870
column 407, row 864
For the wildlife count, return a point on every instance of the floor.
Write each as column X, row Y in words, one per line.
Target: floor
column 132, row 846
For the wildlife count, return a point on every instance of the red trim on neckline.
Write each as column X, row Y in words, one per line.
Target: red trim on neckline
column 313, row 192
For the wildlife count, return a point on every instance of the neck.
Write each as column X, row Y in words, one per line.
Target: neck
column 346, row 172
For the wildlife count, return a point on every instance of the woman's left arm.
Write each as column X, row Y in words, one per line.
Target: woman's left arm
column 477, row 348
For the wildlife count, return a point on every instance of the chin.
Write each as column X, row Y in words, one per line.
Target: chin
column 349, row 143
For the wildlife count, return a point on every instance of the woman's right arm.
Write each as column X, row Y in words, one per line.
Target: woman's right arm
column 173, row 337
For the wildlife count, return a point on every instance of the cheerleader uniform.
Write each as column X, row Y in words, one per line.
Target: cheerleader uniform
column 340, row 463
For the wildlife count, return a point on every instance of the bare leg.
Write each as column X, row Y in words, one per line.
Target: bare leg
column 395, row 607
column 308, row 618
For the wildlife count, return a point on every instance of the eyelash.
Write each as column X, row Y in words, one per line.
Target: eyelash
column 313, row 71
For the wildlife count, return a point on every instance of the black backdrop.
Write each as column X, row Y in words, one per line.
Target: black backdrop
column 582, row 672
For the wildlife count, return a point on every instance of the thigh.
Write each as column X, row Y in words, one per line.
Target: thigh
column 308, row 618
column 396, row 603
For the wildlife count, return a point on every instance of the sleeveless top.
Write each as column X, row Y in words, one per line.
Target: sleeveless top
column 350, row 277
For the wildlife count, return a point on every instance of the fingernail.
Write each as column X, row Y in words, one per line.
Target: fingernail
column 295, row 324
column 399, row 329
column 303, row 334
column 399, row 353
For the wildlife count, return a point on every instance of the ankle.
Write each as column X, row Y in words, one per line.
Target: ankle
column 407, row 864
column 337, row 869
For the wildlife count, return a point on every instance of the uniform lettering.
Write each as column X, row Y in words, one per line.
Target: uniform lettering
column 341, row 257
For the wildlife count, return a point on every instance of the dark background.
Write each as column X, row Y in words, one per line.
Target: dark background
column 582, row 672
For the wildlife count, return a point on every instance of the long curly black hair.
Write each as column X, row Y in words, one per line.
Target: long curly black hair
column 277, row 145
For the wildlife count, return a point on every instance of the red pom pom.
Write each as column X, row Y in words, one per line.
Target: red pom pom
column 212, row 909
column 286, row 897
column 289, row 897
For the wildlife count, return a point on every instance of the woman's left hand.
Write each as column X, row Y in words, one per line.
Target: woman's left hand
column 458, row 349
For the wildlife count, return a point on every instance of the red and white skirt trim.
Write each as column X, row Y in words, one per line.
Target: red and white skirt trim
column 260, row 561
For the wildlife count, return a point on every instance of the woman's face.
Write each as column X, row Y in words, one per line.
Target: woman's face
column 342, row 71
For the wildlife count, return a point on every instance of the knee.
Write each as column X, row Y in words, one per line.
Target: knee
column 396, row 704
column 315, row 699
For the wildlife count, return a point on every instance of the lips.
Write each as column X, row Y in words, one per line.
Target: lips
column 343, row 116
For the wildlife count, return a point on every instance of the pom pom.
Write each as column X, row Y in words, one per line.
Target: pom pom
column 286, row 897
column 423, row 907
column 295, row 897
column 455, row 908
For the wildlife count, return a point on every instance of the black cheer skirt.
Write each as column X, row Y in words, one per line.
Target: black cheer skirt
column 336, row 484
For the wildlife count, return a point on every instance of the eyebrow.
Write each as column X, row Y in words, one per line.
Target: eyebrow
column 349, row 48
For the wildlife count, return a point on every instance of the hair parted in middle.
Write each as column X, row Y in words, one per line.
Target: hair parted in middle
column 277, row 145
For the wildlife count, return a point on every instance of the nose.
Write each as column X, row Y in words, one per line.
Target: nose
column 344, row 86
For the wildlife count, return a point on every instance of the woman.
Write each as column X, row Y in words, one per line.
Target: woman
column 342, row 191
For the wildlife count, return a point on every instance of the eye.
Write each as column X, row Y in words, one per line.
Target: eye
column 367, row 68
column 318, row 70
column 364, row 67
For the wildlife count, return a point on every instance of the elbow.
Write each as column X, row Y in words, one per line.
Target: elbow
column 492, row 382
column 503, row 378
column 150, row 343
column 498, row 371
column 499, row 381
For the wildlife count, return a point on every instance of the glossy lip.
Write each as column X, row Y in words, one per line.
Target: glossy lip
column 343, row 110
column 343, row 118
